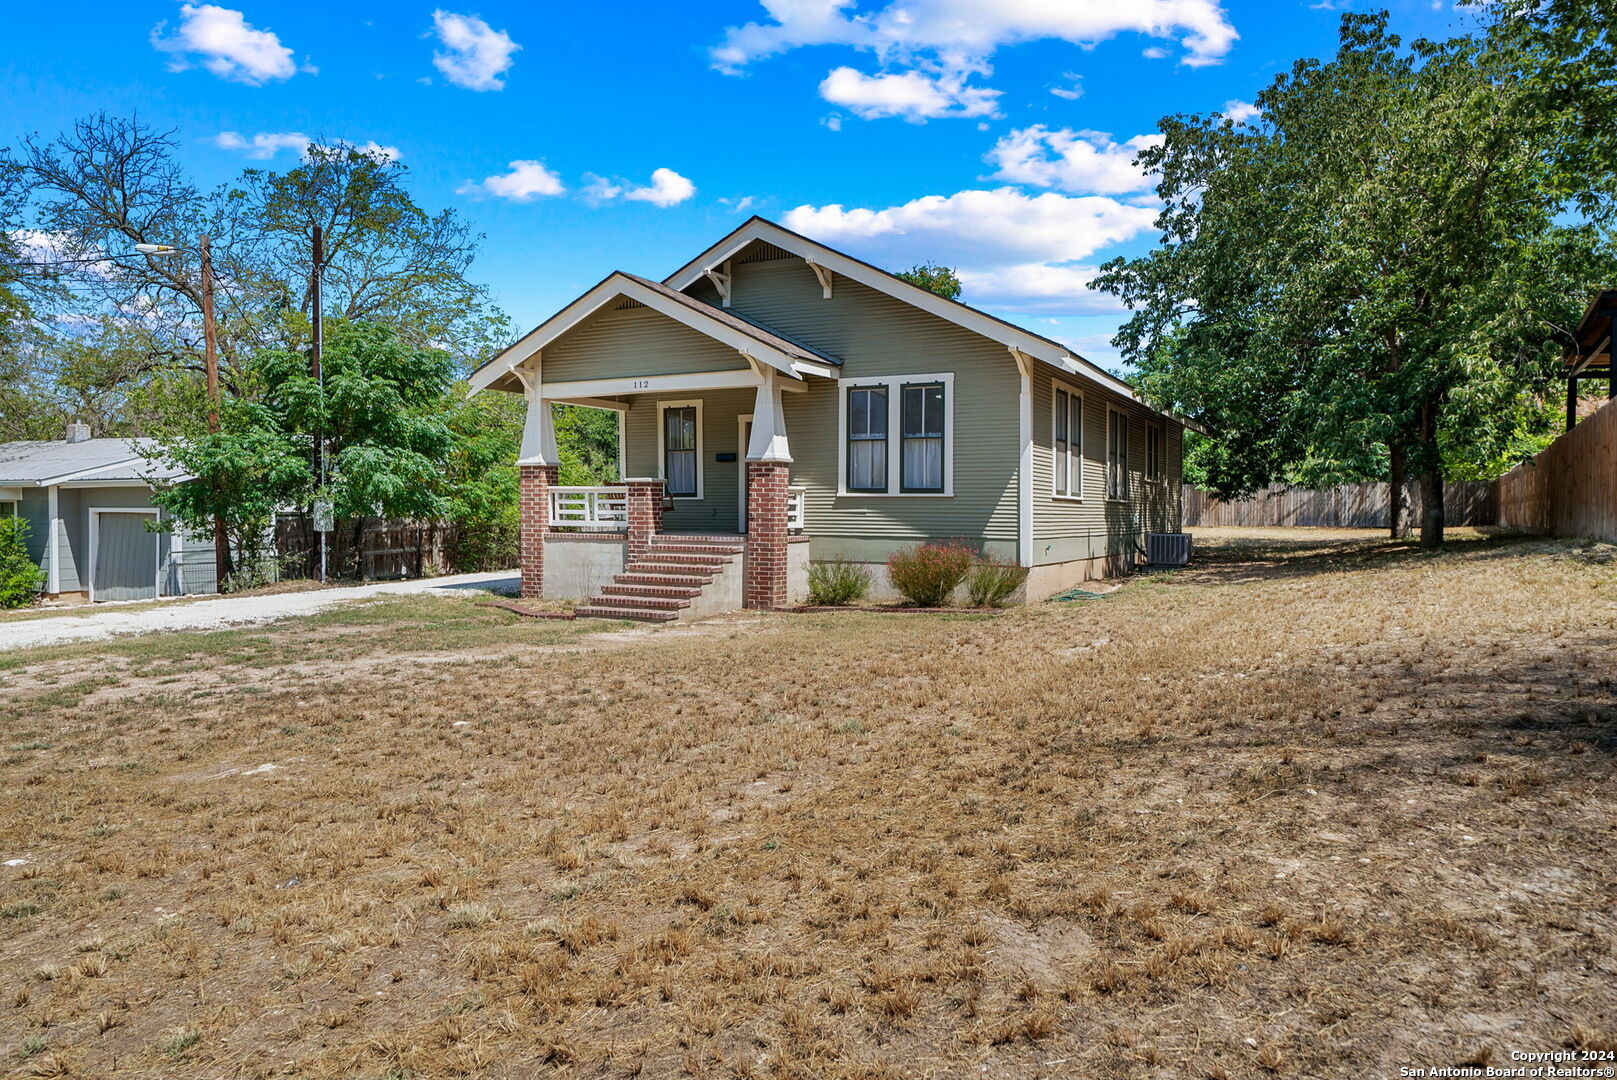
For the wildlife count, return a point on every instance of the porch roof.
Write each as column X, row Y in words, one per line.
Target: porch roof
column 756, row 342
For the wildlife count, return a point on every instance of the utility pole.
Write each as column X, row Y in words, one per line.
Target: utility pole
column 210, row 354
column 316, row 288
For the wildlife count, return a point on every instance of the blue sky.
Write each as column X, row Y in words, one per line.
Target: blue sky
column 583, row 139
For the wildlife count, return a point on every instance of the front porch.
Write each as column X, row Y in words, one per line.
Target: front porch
column 702, row 443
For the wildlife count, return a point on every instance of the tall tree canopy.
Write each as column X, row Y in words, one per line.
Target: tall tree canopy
column 1375, row 274
column 83, row 199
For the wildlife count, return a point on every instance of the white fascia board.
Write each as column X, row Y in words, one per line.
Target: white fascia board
column 952, row 311
column 91, row 482
column 613, row 287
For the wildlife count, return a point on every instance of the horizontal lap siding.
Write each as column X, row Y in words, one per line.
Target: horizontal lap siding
column 718, row 511
column 876, row 335
column 1063, row 529
column 630, row 343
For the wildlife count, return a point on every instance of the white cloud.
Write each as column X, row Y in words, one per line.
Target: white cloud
column 667, row 188
column 1154, row 52
column 1013, row 251
column 476, row 55
column 1076, row 161
column 1072, row 92
column 913, row 95
column 264, row 145
column 525, row 182
column 965, row 33
column 267, row 144
column 1239, row 112
column 225, row 43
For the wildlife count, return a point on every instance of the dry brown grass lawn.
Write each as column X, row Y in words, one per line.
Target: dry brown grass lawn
column 1318, row 807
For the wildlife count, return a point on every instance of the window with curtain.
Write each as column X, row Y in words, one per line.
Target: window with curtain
column 921, row 422
column 1068, row 466
column 867, row 438
column 679, row 450
column 1117, row 456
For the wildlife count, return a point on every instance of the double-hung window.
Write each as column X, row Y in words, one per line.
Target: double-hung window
column 1117, row 455
column 1067, row 439
column 867, row 438
column 922, row 426
column 1156, row 445
column 681, row 449
column 897, row 435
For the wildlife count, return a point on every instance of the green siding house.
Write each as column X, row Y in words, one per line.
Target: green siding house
column 780, row 402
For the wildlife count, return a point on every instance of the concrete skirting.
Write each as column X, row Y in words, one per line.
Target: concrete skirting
column 577, row 565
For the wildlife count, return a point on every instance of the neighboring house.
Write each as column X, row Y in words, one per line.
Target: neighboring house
column 88, row 503
column 796, row 403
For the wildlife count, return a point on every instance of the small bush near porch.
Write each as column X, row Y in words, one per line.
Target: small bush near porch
column 1320, row 806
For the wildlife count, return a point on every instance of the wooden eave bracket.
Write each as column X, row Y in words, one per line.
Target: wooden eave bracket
column 824, row 275
column 721, row 282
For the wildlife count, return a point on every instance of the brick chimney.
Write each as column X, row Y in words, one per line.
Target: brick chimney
column 77, row 431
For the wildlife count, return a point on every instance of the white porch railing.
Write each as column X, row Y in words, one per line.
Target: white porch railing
column 589, row 508
column 794, row 508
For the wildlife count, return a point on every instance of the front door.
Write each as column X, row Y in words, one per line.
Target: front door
column 125, row 557
column 741, row 461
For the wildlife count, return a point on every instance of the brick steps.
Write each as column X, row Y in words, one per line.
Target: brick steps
column 665, row 579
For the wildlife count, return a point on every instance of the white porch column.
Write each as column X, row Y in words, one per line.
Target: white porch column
column 768, row 442
column 539, row 431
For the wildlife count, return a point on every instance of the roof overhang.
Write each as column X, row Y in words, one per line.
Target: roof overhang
column 979, row 322
column 1592, row 339
column 504, row 372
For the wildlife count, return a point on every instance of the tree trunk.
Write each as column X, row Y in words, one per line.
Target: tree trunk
column 1397, row 476
column 359, row 548
column 1431, row 481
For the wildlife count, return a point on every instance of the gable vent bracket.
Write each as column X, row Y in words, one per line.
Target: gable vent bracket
column 824, row 275
column 721, row 282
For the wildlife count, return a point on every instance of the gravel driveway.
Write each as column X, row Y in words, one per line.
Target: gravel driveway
column 109, row 620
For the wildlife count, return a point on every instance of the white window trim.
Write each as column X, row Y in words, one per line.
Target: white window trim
column 1128, row 483
column 662, row 446
column 1055, row 490
column 894, row 436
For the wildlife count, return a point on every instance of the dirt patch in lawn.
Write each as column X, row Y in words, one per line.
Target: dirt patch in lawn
column 1314, row 807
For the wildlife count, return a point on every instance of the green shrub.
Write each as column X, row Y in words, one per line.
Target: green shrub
column 928, row 575
column 992, row 580
column 20, row 577
column 837, row 582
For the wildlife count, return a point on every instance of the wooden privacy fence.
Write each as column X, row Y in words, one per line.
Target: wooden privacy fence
column 389, row 549
column 1569, row 489
column 1347, row 506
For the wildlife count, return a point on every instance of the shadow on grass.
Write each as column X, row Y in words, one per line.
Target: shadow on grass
column 1242, row 560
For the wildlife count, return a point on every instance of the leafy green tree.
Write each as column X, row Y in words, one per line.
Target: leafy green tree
column 587, row 440
column 933, row 278
column 377, row 413
column 1374, row 277
column 20, row 577
column 244, row 474
column 481, row 479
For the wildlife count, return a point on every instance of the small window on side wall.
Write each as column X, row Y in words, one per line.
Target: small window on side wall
column 1067, row 465
column 1156, row 446
column 1117, row 455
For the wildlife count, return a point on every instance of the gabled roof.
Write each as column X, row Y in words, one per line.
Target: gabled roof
column 964, row 315
column 758, row 342
column 45, row 463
